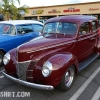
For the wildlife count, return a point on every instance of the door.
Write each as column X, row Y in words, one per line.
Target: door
column 85, row 42
column 94, row 34
column 7, row 36
column 25, row 33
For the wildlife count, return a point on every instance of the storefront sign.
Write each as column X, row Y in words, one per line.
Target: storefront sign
column 72, row 9
column 92, row 9
column 37, row 12
column 54, row 11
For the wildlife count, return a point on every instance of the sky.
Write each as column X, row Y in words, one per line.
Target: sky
column 34, row 3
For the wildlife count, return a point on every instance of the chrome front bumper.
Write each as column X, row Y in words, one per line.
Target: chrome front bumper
column 32, row 85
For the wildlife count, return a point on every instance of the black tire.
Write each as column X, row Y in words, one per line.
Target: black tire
column 1, row 58
column 69, row 77
column 99, row 57
column 15, row 76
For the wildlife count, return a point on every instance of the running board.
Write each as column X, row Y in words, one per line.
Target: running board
column 86, row 62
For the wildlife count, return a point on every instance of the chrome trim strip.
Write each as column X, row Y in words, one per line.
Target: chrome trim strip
column 29, row 77
column 9, row 34
column 28, row 84
column 68, row 43
column 30, row 70
column 24, row 61
column 84, row 38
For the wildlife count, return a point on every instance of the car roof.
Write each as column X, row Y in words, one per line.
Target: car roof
column 17, row 22
column 72, row 18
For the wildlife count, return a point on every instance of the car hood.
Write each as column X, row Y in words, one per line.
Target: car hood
column 36, row 46
column 41, row 43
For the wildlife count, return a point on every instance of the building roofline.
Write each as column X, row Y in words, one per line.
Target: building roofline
column 65, row 5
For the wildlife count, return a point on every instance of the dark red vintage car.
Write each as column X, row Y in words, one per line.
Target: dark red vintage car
column 68, row 45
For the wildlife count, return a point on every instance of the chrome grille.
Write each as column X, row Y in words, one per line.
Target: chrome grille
column 29, row 72
column 21, row 69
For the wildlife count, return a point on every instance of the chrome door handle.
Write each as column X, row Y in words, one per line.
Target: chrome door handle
column 69, row 43
column 92, row 38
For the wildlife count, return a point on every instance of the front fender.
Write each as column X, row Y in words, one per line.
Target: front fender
column 62, row 60
column 60, row 63
column 11, row 66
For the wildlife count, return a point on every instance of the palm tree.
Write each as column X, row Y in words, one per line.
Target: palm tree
column 22, row 10
column 9, row 10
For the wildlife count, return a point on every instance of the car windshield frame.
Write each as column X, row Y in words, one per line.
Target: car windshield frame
column 7, row 29
column 65, row 28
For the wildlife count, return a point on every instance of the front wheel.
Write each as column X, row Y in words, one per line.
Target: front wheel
column 67, row 79
column 1, row 58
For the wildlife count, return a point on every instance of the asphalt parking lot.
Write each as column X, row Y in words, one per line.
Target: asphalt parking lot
column 85, row 87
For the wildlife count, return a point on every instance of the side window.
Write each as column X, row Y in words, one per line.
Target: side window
column 84, row 28
column 24, row 29
column 49, row 27
column 37, row 28
column 67, row 28
column 94, row 26
column 7, row 29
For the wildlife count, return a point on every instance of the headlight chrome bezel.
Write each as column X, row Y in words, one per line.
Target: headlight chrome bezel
column 47, row 69
column 6, row 58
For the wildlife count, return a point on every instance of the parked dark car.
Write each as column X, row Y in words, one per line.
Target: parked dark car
column 15, row 32
column 70, row 44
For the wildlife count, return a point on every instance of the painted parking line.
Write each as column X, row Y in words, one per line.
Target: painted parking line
column 1, row 76
column 83, row 87
column 96, row 95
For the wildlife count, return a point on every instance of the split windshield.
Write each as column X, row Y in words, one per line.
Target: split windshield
column 66, row 28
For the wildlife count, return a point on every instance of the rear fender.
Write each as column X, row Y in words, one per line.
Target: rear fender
column 98, row 46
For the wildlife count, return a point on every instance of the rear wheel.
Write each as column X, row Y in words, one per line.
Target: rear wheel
column 1, row 58
column 67, row 79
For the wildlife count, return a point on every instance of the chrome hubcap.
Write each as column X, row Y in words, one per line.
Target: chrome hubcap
column 69, row 76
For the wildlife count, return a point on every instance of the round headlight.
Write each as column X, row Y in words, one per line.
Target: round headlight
column 46, row 69
column 6, row 58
